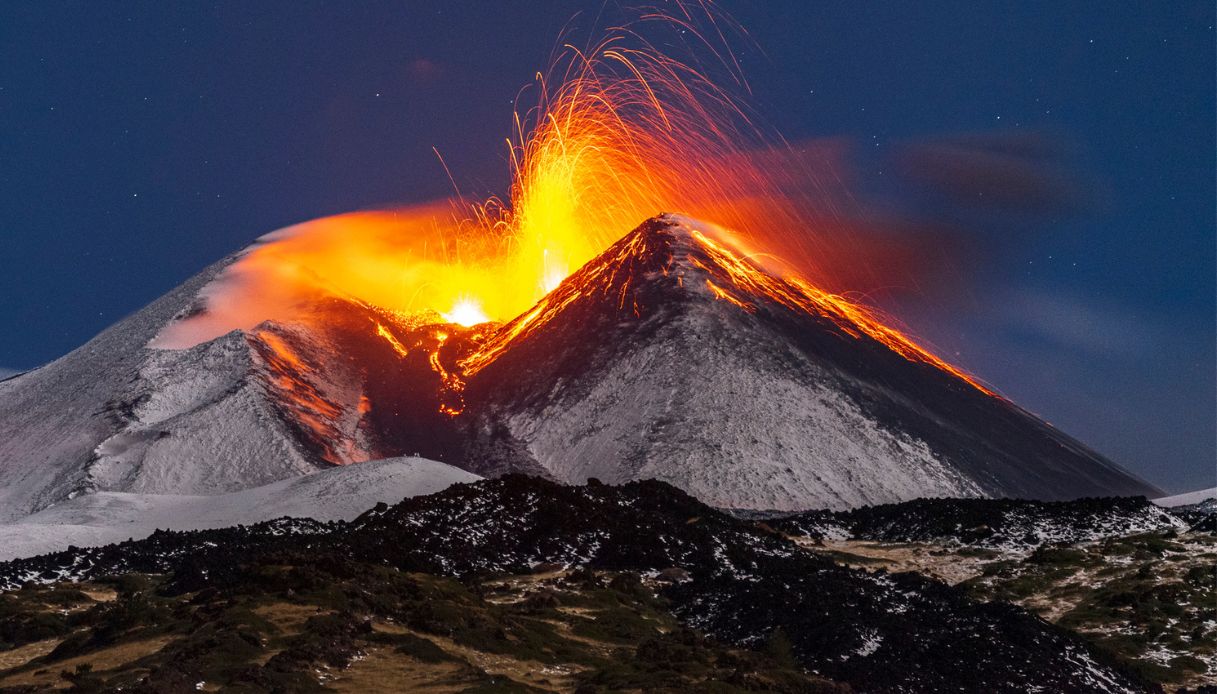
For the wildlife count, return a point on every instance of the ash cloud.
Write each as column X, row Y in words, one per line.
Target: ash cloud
column 960, row 212
column 997, row 203
column 976, row 206
column 1027, row 173
column 1081, row 324
column 1028, row 295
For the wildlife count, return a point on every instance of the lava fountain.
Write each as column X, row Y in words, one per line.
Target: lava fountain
column 621, row 131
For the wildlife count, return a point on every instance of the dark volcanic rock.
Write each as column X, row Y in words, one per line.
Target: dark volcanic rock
column 1201, row 517
column 749, row 586
column 1004, row 523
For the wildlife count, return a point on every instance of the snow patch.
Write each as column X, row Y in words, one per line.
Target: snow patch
column 1187, row 499
column 341, row 493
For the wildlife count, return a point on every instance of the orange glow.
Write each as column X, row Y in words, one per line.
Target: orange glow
column 620, row 132
column 797, row 293
column 720, row 293
column 289, row 378
column 466, row 312
column 453, row 403
column 392, row 340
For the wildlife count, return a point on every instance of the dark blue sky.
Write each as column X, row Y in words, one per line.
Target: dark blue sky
column 139, row 142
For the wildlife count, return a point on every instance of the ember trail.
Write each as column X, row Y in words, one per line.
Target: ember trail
column 620, row 132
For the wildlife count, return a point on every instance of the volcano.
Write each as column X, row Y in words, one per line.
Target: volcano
column 670, row 356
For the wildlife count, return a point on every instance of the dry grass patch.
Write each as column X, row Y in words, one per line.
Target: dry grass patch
column 19, row 656
column 384, row 670
column 102, row 660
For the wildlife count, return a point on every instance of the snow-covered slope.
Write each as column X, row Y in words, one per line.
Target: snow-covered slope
column 200, row 421
column 1187, row 499
column 54, row 419
column 116, row 415
column 707, row 405
column 339, row 493
column 244, row 409
column 671, row 357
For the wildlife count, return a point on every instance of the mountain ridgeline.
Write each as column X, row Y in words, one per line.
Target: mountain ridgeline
column 671, row 356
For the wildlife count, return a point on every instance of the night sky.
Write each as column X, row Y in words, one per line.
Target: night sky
column 1064, row 150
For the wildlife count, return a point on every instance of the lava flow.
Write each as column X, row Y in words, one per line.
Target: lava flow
column 620, row 132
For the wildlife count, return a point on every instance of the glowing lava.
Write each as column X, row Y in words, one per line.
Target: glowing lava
column 467, row 312
column 621, row 131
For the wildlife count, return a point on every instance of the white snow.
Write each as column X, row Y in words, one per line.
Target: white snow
column 53, row 417
column 201, row 424
column 340, row 493
column 871, row 640
column 1187, row 499
column 116, row 415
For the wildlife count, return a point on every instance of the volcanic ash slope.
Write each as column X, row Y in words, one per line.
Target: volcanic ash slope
column 672, row 357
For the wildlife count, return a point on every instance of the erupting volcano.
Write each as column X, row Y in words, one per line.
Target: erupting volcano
column 621, row 131
column 671, row 355
column 551, row 334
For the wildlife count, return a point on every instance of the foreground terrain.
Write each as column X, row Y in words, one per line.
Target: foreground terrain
column 373, row 629
column 1134, row 579
column 519, row 584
